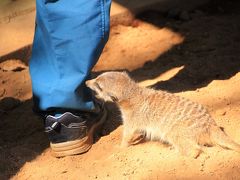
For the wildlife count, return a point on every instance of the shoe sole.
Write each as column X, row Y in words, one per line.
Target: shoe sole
column 78, row 146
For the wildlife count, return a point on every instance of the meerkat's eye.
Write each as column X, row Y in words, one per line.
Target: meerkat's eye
column 98, row 86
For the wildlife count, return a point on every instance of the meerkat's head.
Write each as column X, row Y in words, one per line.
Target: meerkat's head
column 111, row 86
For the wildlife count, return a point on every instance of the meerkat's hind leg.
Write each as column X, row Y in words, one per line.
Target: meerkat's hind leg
column 132, row 137
column 195, row 152
column 188, row 148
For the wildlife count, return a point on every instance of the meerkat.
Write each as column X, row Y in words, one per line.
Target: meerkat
column 159, row 115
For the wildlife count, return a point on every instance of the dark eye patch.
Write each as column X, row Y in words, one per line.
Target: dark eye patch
column 97, row 86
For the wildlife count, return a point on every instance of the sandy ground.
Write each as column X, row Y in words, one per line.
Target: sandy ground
column 197, row 58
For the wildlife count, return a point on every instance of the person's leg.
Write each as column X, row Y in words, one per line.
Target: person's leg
column 69, row 38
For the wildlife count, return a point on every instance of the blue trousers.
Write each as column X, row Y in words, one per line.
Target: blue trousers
column 69, row 38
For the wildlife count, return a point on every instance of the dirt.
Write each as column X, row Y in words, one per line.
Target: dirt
column 195, row 57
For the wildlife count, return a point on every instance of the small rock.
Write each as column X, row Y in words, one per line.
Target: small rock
column 224, row 113
column 116, row 33
column 184, row 16
column 136, row 23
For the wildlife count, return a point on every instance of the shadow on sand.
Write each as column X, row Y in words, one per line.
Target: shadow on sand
column 210, row 50
column 22, row 137
column 22, row 134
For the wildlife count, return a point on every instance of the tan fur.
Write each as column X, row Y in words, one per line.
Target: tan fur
column 158, row 115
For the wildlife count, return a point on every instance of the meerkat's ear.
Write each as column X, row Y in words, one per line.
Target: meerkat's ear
column 97, row 85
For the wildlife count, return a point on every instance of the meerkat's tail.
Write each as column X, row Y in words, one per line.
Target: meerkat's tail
column 219, row 137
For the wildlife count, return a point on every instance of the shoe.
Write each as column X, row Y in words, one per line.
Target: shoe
column 72, row 134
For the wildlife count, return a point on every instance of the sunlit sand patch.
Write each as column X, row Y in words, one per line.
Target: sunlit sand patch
column 162, row 77
column 130, row 47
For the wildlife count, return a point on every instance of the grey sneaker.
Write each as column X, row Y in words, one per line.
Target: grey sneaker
column 72, row 134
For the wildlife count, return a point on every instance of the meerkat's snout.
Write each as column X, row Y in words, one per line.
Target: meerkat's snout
column 89, row 83
column 92, row 84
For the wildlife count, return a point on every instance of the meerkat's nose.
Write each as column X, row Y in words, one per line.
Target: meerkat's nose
column 89, row 82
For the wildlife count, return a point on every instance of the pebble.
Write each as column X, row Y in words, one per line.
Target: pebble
column 224, row 113
column 136, row 23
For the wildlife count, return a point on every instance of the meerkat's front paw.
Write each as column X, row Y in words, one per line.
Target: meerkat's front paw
column 191, row 152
